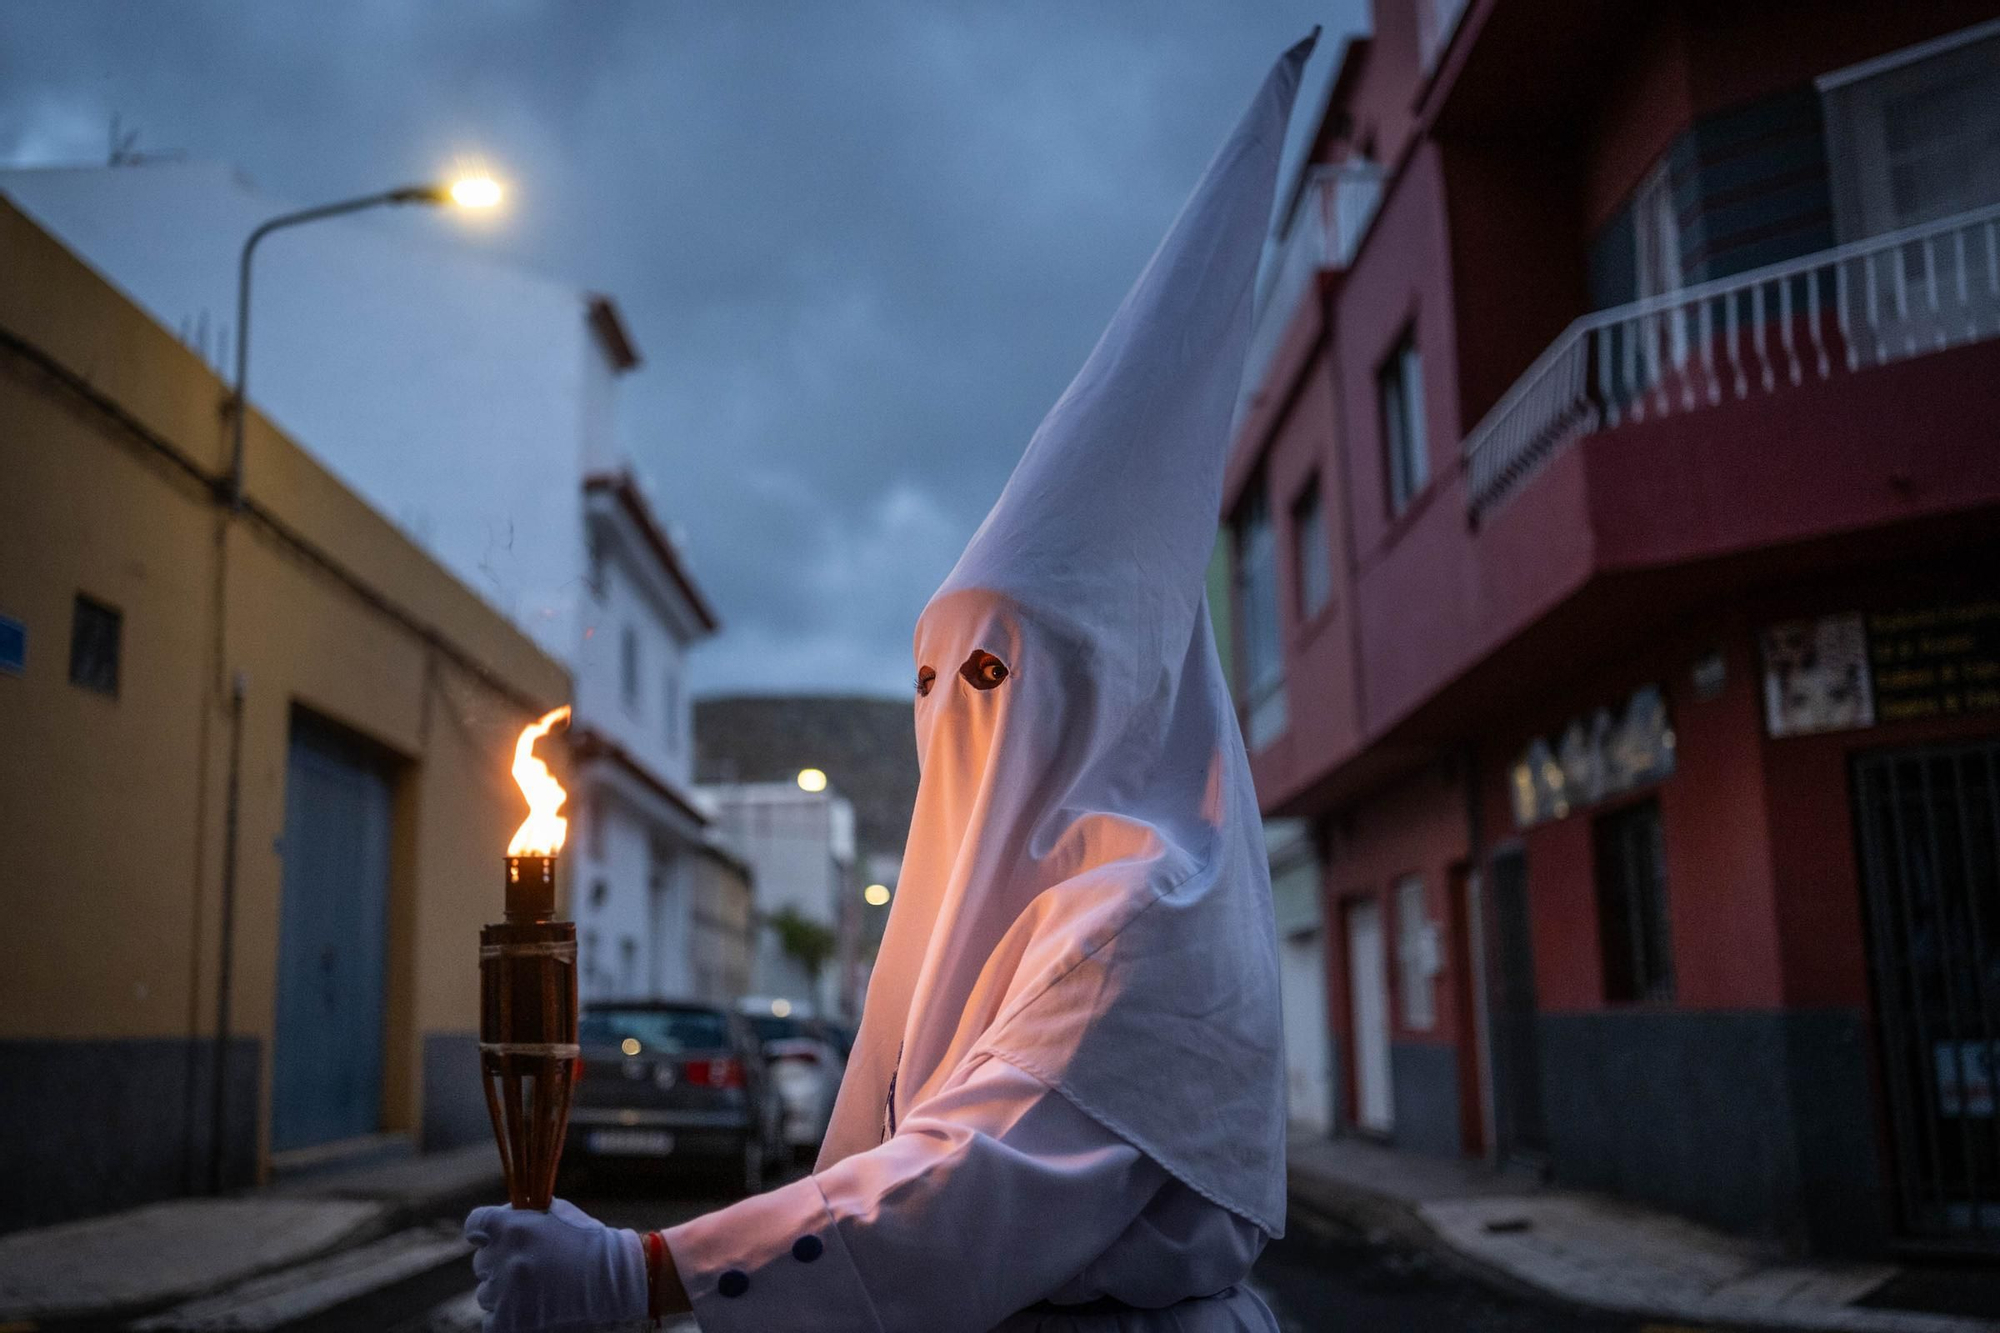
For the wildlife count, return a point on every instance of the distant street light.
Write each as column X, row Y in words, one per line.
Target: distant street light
column 811, row 779
column 876, row 895
column 468, row 192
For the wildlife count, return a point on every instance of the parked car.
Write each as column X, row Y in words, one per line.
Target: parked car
column 667, row 1080
column 807, row 1063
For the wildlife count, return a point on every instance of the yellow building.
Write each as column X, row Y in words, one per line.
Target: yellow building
column 253, row 777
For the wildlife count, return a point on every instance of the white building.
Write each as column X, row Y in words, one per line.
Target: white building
column 653, row 916
column 474, row 405
column 800, row 848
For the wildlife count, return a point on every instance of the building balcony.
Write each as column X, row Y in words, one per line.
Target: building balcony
column 1815, row 419
column 1769, row 332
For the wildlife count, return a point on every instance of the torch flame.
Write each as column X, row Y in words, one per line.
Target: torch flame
column 542, row 832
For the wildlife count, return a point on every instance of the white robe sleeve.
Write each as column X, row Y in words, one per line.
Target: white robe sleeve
column 989, row 1196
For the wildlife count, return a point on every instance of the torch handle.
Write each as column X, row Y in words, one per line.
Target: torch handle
column 528, row 1049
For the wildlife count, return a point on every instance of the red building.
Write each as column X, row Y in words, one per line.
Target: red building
column 1614, row 594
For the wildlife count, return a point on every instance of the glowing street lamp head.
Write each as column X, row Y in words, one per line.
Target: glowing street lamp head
column 781, row 1008
column 876, row 895
column 811, row 779
column 480, row 191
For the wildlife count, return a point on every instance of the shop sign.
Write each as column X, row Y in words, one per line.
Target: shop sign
column 1595, row 758
column 1843, row 672
column 1936, row 663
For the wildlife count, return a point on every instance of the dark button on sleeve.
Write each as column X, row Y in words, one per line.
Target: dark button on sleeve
column 733, row 1283
column 807, row 1248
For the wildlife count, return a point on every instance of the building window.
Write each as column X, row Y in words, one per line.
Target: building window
column 94, row 634
column 1915, row 136
column 1311, row 564
column 1437, row 20
column 1656, row 233
column 1262, row 682
column 1416, row 955
column 628, row 668
column 1632, row 925
column 628, row 966
column 592, row 815
column 1401, row 383
column 673, row 710
column 598, row 588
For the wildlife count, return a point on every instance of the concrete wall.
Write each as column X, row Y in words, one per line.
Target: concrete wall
column 1758, row 1122
column 116, row 805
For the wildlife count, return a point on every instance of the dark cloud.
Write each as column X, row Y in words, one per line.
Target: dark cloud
column 862, row 246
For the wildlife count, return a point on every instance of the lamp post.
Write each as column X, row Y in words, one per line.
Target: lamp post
column 471, row 192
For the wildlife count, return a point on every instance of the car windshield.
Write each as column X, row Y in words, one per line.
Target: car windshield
column 658, row 1031
column 772, row 1028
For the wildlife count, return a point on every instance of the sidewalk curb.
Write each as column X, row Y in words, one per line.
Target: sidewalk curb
column 1318, row 1198
column 1343, row 1204
column 382, row 1201
column 58, row 1311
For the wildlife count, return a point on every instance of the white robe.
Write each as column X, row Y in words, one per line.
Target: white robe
column 1069, row 1080
column 993, row 1195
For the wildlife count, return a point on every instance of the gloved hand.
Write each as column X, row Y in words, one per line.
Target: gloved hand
column 562, row 1269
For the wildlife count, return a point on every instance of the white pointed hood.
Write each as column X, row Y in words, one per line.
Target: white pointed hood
column 1085, row 893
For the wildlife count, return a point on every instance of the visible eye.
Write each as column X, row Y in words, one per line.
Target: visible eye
column 925, row 679
column 982, row 670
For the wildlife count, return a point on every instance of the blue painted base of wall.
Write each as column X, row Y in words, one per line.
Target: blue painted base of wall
column 1757, row 1122
column 92, row 1126
column 1424, row 1077
column 454, row 1104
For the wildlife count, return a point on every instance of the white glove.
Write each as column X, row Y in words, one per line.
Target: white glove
column 562, row 1269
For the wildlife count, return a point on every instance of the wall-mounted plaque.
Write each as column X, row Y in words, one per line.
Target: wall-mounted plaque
column 1816, row 676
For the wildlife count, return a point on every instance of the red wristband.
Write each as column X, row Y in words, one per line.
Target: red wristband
column 656, row 1251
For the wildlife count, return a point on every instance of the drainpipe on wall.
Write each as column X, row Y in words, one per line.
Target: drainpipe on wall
column 218, row 1110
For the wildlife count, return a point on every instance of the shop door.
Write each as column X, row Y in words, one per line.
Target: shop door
column 1368, row 1001
column 1302, row 992
column 1517, row 1054
column 1927, row 822
column 326, row 1065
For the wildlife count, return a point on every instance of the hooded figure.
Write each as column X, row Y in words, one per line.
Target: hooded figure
column 1066, row 1105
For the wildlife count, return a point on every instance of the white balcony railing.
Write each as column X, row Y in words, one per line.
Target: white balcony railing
column 1883, row 299
column 1333, row 209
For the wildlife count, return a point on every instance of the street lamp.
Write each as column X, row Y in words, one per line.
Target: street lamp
column 812, row 780
column 469, row 192
column 475, row 192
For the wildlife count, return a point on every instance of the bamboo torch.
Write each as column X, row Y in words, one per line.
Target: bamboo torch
column 527, row 991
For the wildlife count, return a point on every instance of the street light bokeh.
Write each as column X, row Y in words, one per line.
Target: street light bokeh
column 876, row 895
column 811, row 779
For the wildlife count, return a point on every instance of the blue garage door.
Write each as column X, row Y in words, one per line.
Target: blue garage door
column 327, row 1061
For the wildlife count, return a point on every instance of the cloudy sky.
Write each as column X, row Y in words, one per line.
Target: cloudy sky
column 861, row 245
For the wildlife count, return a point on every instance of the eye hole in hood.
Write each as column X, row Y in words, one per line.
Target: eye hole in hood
column 983, row 671
column 926, row 677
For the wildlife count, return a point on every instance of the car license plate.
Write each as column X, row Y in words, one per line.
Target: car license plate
column 631, row 1142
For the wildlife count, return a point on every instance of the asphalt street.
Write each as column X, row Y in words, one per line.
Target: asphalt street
column 1318, row 1277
